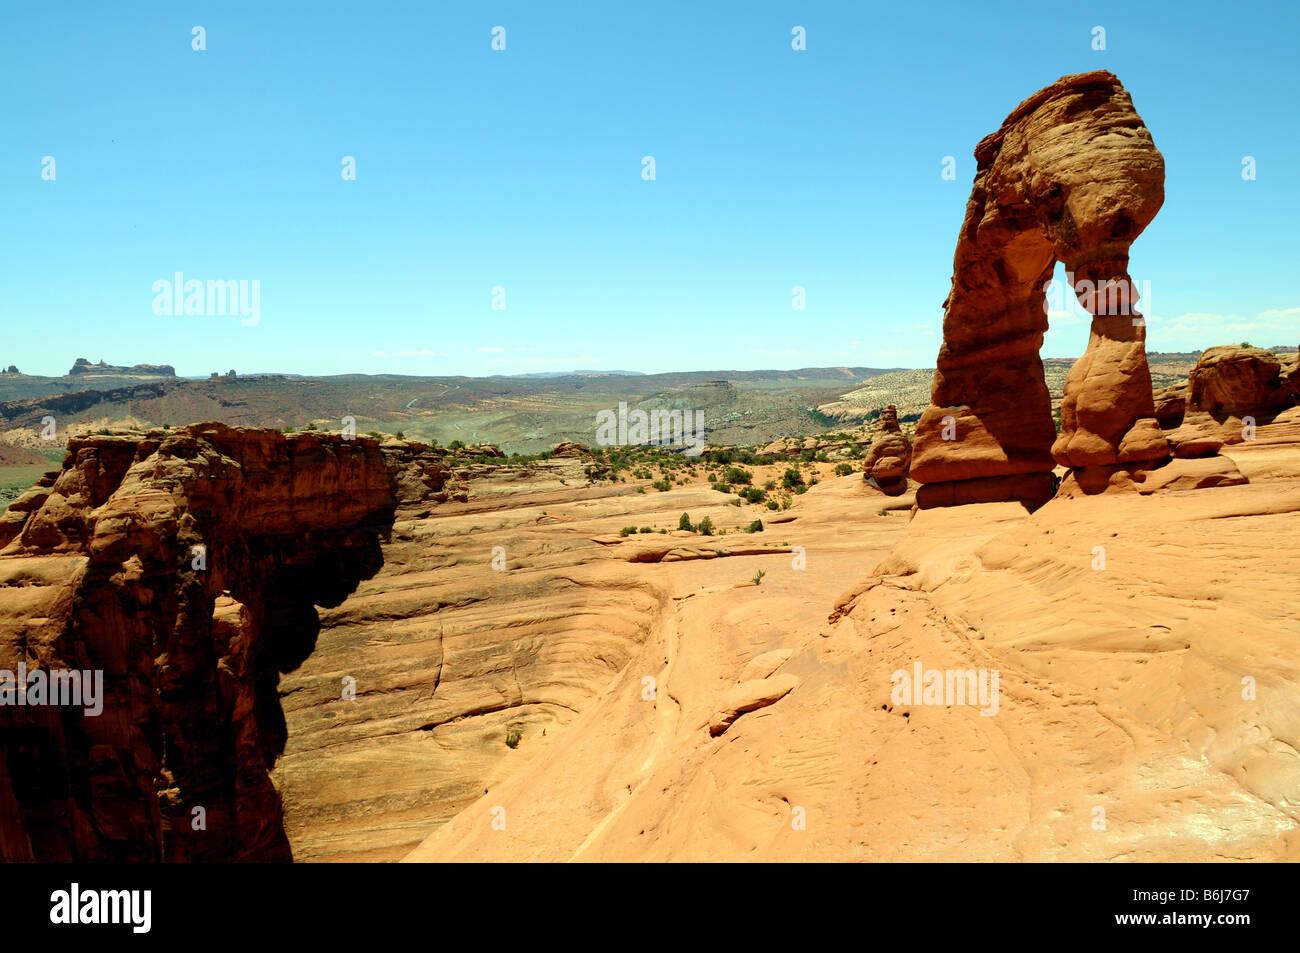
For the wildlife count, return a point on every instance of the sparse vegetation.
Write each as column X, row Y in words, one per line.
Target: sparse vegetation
column 755, row 527
column 733, row 475
column 513, row 737
column 758, row 578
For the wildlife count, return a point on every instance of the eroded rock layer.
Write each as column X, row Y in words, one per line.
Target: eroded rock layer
column 1071, row 176
column 186, row 566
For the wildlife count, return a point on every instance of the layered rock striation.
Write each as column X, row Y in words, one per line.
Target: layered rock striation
column 1073, row 176
column 185, row 566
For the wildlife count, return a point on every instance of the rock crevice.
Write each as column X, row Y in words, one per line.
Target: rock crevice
column 187, row 567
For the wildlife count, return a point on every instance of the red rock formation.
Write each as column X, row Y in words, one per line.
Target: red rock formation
column 101, row 568
column 890, row 455
column 1239, row 379
column 1171, row 404
column 1232, row 390
column 568, row 448
column 1072, row 176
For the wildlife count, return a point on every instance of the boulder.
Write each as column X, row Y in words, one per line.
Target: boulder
column 750, row 696
column 1171, row 404
column 1235, row 380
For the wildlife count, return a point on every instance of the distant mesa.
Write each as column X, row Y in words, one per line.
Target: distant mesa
column 83, row 366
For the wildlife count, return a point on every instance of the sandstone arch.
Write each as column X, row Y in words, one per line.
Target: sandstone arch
column 1073, row 176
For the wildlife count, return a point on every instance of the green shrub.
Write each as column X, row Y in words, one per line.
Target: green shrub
column 755, row 527
column 737, row 475
column 705, row 527
column 758, row 578
column 791, row 478
column 627, row 531
column 512, row 738
column 685, row 523
column 647, row 529
column 663, row 486
column 844, row 469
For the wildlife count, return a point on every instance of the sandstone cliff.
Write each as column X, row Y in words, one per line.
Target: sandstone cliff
column 187, row 566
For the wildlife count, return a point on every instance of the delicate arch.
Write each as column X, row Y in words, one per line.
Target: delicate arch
column 1072, row 176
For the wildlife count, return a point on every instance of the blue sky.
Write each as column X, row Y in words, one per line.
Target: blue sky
column 522, row 169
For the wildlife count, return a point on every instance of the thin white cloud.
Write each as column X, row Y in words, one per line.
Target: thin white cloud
column 1199, row 329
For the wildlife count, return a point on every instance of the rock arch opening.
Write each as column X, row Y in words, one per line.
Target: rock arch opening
column 1072, row 175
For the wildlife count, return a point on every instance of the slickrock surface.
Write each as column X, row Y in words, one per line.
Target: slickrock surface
column 1146, row 705
column 1073, row 176
column 450, row 655
column 99, row 571
column 660, row 704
